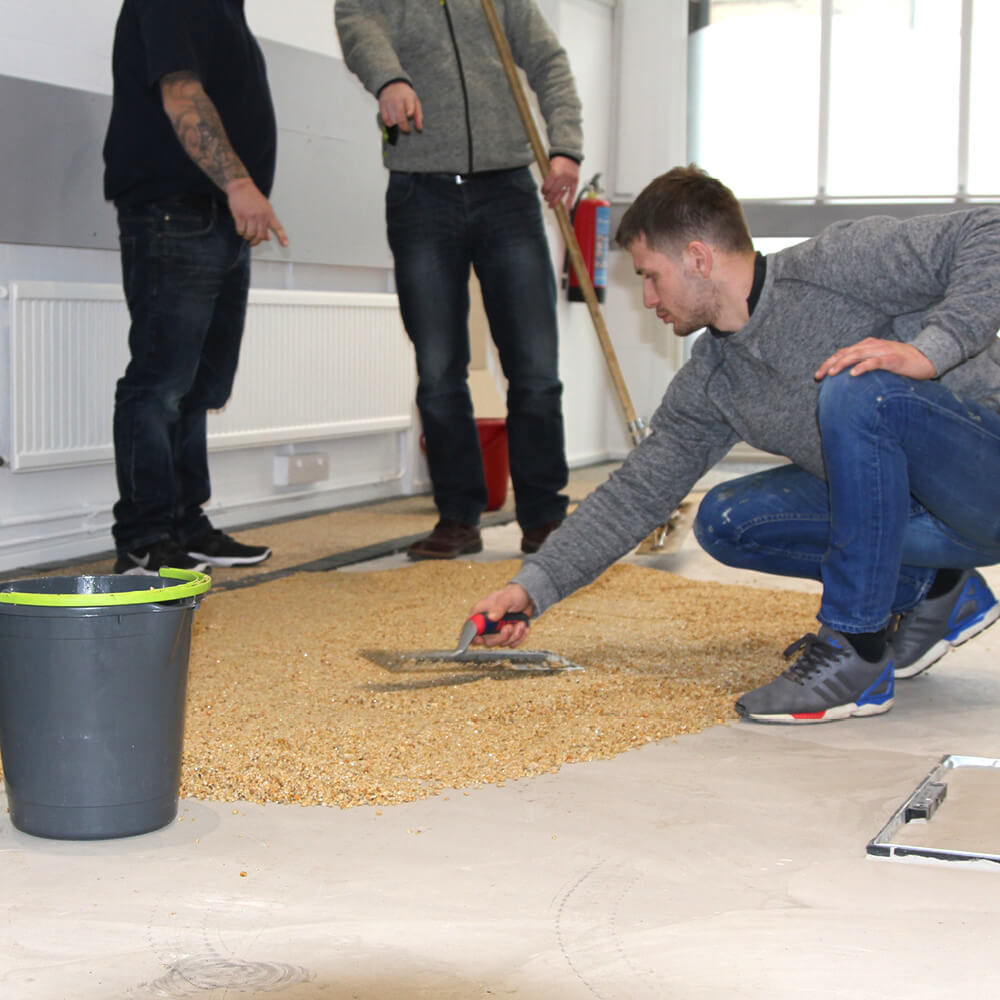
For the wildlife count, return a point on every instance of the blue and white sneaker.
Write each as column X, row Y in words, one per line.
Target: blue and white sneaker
column 926, row 633
column 829, row 681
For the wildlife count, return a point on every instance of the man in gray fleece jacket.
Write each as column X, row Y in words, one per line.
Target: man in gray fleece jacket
column 461, row 194
column 868, row 356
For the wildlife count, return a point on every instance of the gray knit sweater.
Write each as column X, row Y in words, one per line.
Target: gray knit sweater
column 446, row 52
column 932, row 281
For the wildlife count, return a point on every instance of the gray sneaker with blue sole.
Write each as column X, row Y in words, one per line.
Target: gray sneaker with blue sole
column 926, row 633
column 828, row 681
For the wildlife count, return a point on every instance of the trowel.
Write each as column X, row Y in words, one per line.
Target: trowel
column 478, row 624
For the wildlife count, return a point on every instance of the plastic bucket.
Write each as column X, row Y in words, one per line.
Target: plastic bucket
column 93, row 682
column 496, row 461
column 496, row 458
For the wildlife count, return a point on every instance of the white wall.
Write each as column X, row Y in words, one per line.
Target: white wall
column 630, row 67
column 635, row 129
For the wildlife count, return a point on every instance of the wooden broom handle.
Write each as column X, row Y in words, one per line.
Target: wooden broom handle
column 635, row 425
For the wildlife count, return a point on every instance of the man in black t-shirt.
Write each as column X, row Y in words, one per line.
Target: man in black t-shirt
column 189, row 157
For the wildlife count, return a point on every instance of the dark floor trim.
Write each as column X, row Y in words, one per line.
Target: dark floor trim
column 348, row 558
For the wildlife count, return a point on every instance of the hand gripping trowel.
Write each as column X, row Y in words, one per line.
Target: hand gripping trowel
column 478, row 624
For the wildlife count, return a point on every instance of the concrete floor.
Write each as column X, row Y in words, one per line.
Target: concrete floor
column 729, row 863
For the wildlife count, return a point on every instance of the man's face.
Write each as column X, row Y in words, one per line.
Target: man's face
column 674, row 287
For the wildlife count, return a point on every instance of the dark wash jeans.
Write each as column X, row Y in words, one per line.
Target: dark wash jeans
column 492, row 222
column 186, row 275
column 913, row 486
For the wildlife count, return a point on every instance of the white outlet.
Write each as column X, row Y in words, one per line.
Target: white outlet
column 296, row 470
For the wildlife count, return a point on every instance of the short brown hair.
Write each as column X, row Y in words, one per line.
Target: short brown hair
column 681, row 205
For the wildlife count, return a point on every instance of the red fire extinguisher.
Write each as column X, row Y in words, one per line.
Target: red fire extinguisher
column 591, row 217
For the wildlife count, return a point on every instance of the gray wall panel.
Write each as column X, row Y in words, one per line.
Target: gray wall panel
column 330, row 182
column 52, row 169
column 330, row 185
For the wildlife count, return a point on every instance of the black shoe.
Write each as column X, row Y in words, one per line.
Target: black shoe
column 149, row 561
column 531, row 541
column 448, row 540
column 218, row 549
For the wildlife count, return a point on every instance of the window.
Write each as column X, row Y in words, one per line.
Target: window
column 893, row 106
column 846, row 100
column 753, row 95
column 984, row 136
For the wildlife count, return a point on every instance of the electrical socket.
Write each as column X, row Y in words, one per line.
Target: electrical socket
column 296, row 470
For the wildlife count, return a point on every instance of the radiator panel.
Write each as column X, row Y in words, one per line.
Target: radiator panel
column 314, row 365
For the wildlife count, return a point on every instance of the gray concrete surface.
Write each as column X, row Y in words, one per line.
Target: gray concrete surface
column 729, row 863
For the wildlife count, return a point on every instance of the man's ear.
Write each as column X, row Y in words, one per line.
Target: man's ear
column 700, row 258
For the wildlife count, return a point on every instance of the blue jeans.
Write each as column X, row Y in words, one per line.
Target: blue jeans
column 913, row 486
column 492, row 222
column 186, row 275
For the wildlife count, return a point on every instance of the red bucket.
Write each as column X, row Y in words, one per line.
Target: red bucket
column 496, row 463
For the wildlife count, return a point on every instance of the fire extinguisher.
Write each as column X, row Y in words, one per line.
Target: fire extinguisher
column 591, row 218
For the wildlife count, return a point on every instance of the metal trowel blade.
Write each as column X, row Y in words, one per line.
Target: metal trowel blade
column 516, row 659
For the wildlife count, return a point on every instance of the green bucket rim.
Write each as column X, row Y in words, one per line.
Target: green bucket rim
column 193, row 585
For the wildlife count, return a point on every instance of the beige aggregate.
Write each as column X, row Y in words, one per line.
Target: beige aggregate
column 284, row 708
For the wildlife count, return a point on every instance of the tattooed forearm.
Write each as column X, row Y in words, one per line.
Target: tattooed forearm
column 199, row 129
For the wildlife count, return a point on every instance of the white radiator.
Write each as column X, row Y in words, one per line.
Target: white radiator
column 314, row 365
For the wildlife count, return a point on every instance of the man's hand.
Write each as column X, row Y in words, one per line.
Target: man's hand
column 252, row 213
column 513, row 597
column 398, row 104
column 561, row 183
column 872, row 354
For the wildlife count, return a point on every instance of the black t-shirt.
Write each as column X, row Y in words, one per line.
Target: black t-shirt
column 143, row 157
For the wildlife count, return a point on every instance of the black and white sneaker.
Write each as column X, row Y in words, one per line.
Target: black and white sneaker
column 926, row 633
column 828, row 681
column 149, row 561
column 219, row 549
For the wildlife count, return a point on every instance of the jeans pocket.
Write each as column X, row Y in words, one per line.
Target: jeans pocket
column 182, row 222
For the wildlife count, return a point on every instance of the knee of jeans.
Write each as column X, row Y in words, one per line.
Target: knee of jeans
column 844, row 393
column 835, row 392
column 534, row 395
column 440, row 385
column 442, row 366
column 167, row 401
column 713, row 524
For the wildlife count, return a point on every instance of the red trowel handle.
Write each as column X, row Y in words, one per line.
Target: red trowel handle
column 485, row 626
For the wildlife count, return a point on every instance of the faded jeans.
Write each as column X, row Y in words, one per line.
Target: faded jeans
column 186, row 275
column 913, row 486
column 492, row 222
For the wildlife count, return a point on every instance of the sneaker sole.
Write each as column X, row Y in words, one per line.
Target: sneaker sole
column 971, row 627
column 835, row 714
column 230, row 560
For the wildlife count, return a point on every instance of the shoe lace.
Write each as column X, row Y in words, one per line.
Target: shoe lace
column 816, row 655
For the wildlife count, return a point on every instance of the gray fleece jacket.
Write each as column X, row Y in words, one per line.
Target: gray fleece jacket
column 933, row 282
column 445, row 51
